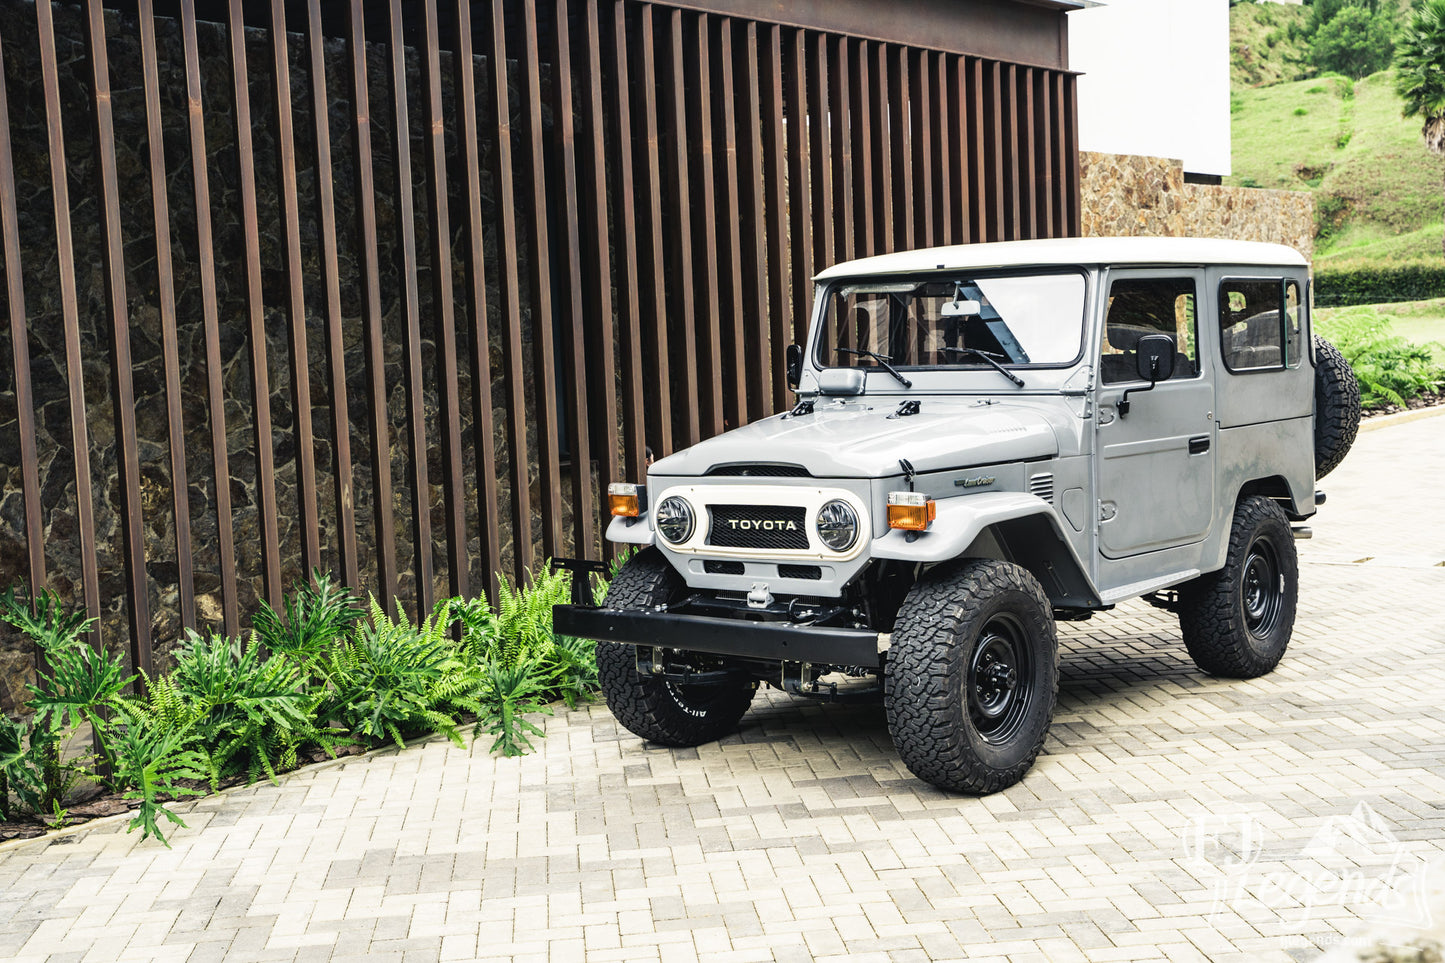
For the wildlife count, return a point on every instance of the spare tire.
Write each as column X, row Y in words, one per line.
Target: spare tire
column 1337, row 407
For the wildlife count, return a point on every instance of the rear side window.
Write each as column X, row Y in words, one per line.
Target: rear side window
column 1259, row 324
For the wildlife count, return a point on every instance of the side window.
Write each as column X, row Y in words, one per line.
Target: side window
column 1293, row 346
column 1252, row 324
column 1140, row 306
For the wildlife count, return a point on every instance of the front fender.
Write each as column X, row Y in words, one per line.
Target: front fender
column 1026, row 529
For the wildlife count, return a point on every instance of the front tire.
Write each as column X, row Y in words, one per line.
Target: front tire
column 972, row 675
column 1237, row 622
column 667, row 713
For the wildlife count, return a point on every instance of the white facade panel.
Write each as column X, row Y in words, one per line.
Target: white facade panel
column 1155, row 80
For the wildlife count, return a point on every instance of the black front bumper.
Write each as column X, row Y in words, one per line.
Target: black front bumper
column 774, row 641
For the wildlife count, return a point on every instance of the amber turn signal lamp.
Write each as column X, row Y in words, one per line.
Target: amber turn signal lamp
column 911, row 511
column 626, row 500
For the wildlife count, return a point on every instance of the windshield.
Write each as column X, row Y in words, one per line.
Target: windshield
column 954, row 321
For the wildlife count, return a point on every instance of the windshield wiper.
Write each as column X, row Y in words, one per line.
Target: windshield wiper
column 882, row 360
column 992, row 359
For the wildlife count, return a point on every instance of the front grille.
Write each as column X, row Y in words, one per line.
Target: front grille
column 810, row 572
column 760, row 471
column 714, row 567
column 776, row 527
column 1042, row 486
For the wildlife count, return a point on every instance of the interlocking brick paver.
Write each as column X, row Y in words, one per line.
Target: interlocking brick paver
column 1170, row 816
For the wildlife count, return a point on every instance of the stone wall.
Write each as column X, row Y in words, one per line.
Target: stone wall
column 1124, row 194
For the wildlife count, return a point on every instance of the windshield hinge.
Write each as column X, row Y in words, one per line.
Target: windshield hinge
column 801, row 408
column 906, row 408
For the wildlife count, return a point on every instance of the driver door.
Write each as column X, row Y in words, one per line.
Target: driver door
column 1156, row 463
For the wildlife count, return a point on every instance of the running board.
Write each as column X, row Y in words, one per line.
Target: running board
column 1135, row 589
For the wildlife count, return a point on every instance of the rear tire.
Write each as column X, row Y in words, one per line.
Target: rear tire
column 1337, row 407
column 972, row 675
column 667, row 713
column 1237, row 622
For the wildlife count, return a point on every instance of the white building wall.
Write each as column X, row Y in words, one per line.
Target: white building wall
column 1155, row 80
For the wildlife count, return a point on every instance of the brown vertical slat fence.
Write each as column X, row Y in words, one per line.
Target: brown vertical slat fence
column 518, row 243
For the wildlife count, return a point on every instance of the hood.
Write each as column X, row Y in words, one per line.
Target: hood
column 854, row 439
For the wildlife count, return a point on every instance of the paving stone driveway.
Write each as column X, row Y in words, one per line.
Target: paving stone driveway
column 1171, row 816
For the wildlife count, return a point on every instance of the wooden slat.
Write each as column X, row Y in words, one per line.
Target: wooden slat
column 544, row 372
column 861, row 125
column 215, row 367
column 629, row 303
column 977, row 152
column 69, row 311
column 1069, row 147
column 705, row 196
column 994, row 137
column 923, row 156
column 951, row 155
column 475, row 298
column 300, row 373
column 449, row 402
column 1013, row 185
column 735, row 391
column 683, row 308
column 166, row 291
column 421, row 539
column 752, row 193
column 821, row 126
column 602, row 332
column 654, row 262
column 256, row 319
column 1047, row 148
column 802, row 132
column 885, row 129
column 574, row 345
column 374, row 337
column 900, row 138
column 331, row 283
column 20, row 356
column 843, row 124
column 779, row 302
column 504, row 190
column 122, row 394
column 1028, row 150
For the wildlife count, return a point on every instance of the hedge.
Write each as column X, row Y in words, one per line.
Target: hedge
column 1335, row 289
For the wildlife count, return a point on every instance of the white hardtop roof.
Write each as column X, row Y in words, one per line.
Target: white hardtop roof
column 1058, row 252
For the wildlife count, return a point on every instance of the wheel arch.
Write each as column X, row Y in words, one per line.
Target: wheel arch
column 1009, row 526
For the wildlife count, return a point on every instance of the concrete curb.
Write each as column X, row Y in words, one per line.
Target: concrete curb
column 182, row 807
column 1401, row 417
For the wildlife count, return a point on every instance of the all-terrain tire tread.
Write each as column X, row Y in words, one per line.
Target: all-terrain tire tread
column 923, row 690
column 646, row 707
column 1210, row 616
column 1337, row 407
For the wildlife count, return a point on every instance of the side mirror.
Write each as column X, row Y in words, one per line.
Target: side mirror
column 794, row 368
column 1153, row 362
column 1155, row 358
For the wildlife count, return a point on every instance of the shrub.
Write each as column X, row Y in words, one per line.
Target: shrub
column 313, row 618
column 1389, row 368
column 1377, row 285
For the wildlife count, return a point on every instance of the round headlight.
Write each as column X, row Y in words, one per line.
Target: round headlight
column 674, row 519
column 838, row 525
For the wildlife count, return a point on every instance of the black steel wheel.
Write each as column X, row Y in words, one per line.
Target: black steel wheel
column 660, row 711
column 972, row 675
column 1237, row 622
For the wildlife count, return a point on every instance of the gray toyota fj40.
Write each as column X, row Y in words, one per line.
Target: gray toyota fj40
column 987, row 438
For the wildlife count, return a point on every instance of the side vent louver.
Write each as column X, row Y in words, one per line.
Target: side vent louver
column 1043, row 487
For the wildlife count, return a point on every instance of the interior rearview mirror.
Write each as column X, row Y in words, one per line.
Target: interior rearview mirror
column 794, row 365
column 960, row 309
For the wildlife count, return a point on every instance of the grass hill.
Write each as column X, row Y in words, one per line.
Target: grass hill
column 1267, row 44
column 1378, row 192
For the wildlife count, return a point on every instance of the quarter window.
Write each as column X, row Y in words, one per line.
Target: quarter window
column 1259, row 324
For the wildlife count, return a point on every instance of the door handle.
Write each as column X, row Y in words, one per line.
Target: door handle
column 1199, row 444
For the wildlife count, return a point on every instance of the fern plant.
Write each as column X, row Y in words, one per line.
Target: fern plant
column 152, row 760
column 509, row 693
column 250, row 713
column 394, row 679
column 313, row 618
column 1389, row 368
